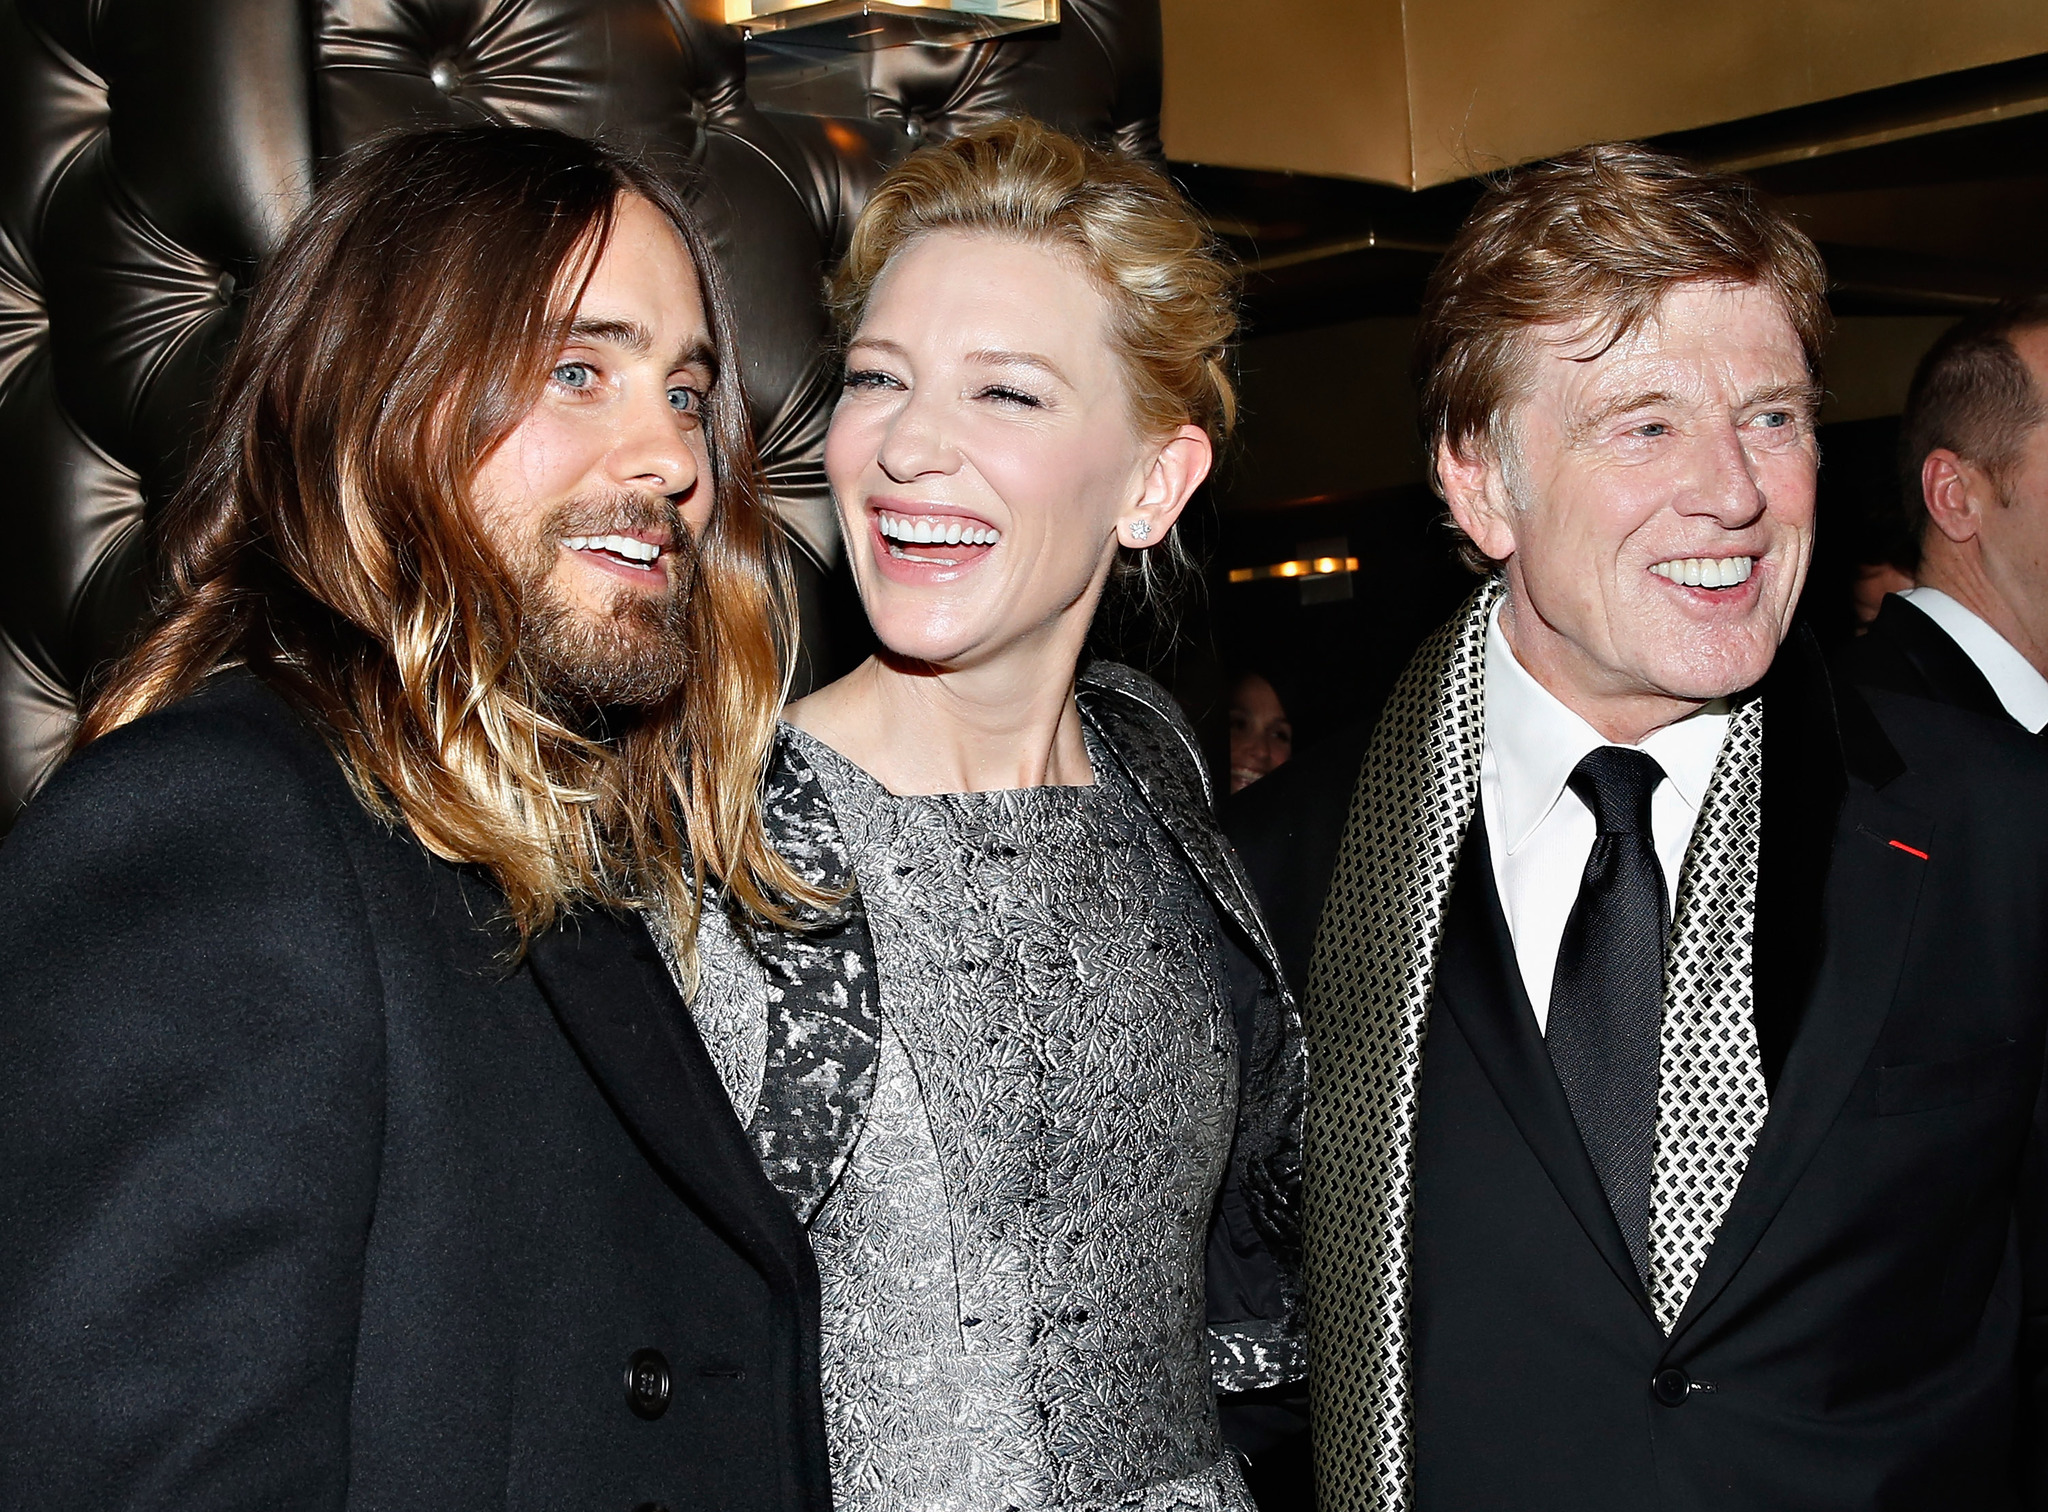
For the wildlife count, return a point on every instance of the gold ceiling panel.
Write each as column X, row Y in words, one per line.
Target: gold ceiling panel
column 1429, row 91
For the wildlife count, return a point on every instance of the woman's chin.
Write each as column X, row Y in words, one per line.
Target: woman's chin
column 923, row 654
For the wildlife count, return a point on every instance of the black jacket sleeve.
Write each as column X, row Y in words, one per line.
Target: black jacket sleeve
column 191, row 1079
column 2031, row 1432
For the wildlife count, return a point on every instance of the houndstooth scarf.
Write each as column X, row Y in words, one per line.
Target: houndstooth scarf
column 1368, row 1015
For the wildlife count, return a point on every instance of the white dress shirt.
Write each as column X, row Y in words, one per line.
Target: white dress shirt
column 1539, row 830
column 2022, row 689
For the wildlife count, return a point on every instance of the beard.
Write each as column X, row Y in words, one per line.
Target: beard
column 632, row 652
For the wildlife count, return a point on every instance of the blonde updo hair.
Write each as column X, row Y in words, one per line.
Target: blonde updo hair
column 1170, row 287
column 1172, row 291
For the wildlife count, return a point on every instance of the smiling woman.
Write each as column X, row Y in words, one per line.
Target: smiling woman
column 1050, row 1178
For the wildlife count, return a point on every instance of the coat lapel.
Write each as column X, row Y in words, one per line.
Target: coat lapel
column 1947, row 669
column 1158, row 753
column 613, row 998
column 824, row 1000
column 1478, row 984
column 1822, row 991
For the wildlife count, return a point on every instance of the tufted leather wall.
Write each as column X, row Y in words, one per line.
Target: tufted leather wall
column 152, row 151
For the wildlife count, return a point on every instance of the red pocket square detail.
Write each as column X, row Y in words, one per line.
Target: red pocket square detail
column 1909, row 850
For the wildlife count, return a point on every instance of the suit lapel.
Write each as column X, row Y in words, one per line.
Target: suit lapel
column 1478, row 984
column 612, row 996
column 1950, row 674
column 1824, row 976
column 1804, row 782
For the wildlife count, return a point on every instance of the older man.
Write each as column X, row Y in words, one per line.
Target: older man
column 1676, row 1019
column 1974, row 631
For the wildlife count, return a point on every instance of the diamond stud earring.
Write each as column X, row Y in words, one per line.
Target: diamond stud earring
column 1140, row 529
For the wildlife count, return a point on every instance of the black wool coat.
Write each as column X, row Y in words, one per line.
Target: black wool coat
column 309, row 1200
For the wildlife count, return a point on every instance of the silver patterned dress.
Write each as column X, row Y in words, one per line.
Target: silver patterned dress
column 1012, row 1258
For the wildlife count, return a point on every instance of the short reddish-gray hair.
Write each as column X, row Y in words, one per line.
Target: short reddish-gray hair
column 1598, row 236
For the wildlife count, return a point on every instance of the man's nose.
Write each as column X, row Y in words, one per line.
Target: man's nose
column 652, row 450
column 915, row 445
column 1725, row 481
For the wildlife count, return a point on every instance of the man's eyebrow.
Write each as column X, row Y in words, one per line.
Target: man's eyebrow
column 629, row 334
column 1806, row 394
column 1623, row 404
column 699, row 353
column 636, row 339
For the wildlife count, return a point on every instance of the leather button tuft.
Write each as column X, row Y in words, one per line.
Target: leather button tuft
column 1671, row 1387
column 647, row 1383
column 445, row 75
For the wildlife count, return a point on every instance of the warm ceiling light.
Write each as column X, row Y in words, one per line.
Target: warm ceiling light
column 865, row 24
column 1310, row 567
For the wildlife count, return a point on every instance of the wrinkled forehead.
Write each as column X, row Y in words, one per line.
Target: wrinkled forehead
column 1709, row 344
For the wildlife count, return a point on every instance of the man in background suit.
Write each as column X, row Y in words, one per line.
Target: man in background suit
column 1974, row 631
column 358, row 1151
column 1675, row 1016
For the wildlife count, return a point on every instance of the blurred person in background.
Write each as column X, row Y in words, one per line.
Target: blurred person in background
column 1047, row 1148
column 1971, row 630
column 1261, row 735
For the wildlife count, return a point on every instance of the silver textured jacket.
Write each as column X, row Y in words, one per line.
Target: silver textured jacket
column 1012, row 1322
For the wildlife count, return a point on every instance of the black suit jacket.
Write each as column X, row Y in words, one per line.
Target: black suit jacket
column 1873, row 1316
column 1904, row 651
column 310, row 1200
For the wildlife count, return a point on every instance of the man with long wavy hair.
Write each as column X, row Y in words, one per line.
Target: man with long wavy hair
column 358, row 1151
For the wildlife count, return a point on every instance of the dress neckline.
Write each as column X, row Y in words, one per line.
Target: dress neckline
column 846, row 769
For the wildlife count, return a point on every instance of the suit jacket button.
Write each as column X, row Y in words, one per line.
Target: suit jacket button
column 1671, row 1387
column 647, row 1383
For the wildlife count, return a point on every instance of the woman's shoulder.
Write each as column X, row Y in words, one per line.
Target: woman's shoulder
column 1143, row 722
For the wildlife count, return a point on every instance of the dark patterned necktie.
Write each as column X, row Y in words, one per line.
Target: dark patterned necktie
column 1607, row 998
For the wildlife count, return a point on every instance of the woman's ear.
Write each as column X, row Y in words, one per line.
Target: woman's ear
column 1476, row 492
column 1177, row 470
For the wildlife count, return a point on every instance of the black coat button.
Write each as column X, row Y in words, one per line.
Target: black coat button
column 647, row 1383
column 1671, row 1386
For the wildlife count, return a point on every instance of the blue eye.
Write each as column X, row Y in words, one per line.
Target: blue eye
column 867, row 378
column 575, row 375
column 685, row 401
column 1776, row 419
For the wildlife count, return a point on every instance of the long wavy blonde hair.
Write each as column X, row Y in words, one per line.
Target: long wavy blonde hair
column 327, row 540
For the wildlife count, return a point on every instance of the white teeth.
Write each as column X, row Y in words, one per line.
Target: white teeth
column 617, row 545
column 1707, row 572
column 947, row 532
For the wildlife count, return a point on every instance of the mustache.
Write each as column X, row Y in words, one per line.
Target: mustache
column 622, row 513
